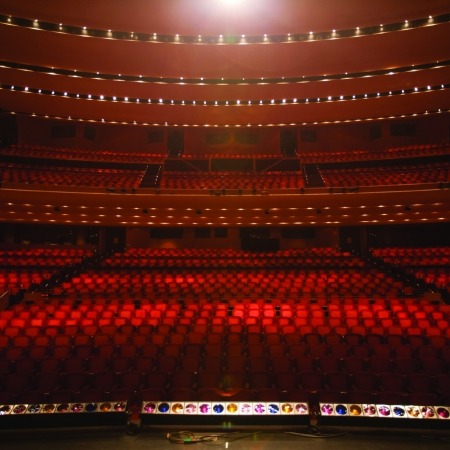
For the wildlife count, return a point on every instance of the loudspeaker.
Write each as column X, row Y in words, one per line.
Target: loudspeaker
column 288, row 142
column 175, row 143
column 63, row 131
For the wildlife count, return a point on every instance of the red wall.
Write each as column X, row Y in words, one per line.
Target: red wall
column 107, row 137
column 267, row 141
column 140, row 237
column 333, row 137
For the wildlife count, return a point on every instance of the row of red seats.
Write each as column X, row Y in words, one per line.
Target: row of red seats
column 66, row 396
column 53, row 327
column 73, row 176
column 42, row 261
column 232, row 180
column 228, row 252
column 428, row 264
column 390, row 347
column 131, row 179
column 410, row 151
column 392, row 175
column 108, row 382
column 15, row 280
column 140, row 283
column 146, row 359
column 401, row 252
column 311, row 380
column 244, row 262
column 186, row 155
column 51, row 252
column 42, row 151
column 281, row 278
column 438, row 277
column 381, row 308
column 237, row 318
column 307, row 157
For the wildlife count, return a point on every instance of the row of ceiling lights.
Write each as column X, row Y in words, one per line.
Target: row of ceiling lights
column 274, row 212
column 207, row 125
column 283, row 101
column 308, row 208
column 257, row 220
column 224, row 39
column 223, row 210
column 223, row 81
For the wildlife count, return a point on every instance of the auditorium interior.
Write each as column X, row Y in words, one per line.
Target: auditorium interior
column 225, row 222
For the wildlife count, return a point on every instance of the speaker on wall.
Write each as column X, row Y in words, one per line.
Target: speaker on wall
column 175, row 142
column 89, row 133
column 288, row 142
column 63, row 131
column 375, row 132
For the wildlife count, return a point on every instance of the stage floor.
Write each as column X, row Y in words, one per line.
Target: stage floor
column 244, row 439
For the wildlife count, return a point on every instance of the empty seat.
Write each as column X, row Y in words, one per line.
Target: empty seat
column 268, row 395
column 208, row 379
column 259, row 379
column 286, row 380
column 17, row 382
column 48, row 382
column 328, row 363
column 144, row 364
column 389, row 381
column 132, row 380
column 120, row 364
column 392, row 398
column 312, row 380
column 379, row 364
column 151, row 394
column 420, row 382
column 181, row 394
column 365, row 381
column 338, row 381
column 76, row 381
column 155, row 380
column 183, row 379
column 423, row 398
column 74, row 364
column 233, row 379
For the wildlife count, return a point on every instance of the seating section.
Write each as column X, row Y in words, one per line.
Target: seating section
column 135, row 329
column 389, row 175
column 46, row 152
column 22, row 269
column 240, row 155
column 35, row 164
column 410, row 151
column 307, row 157
column 430, row 265
column 231, row 284
column 70, row 176
column 232, row 180
column 110, row 348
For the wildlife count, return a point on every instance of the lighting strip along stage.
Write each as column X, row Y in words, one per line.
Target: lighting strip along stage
column 385, row 415
column 218, row 412
column 223, row 412
column 63, row 414
column 292, row 413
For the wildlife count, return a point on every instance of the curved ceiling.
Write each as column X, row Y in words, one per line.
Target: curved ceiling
column 219, row 62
